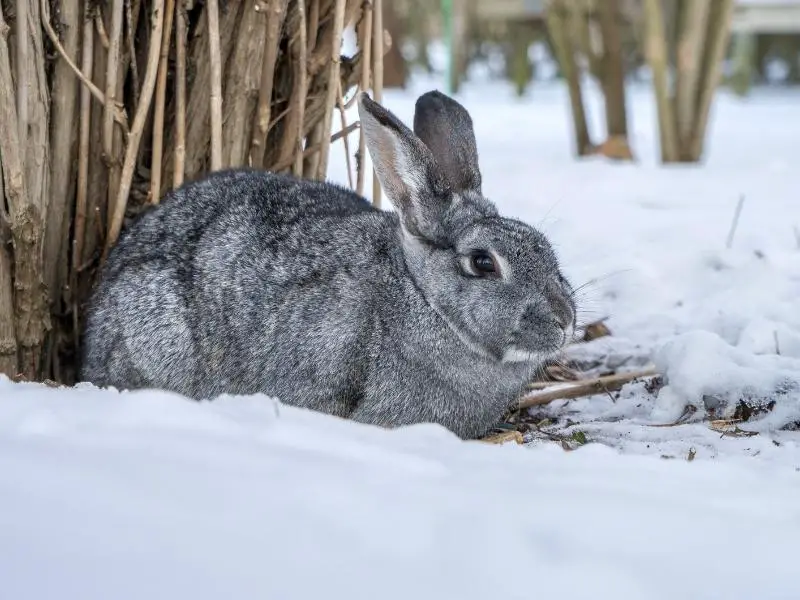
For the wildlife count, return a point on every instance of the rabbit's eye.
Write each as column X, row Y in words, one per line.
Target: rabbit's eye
column 483, row 264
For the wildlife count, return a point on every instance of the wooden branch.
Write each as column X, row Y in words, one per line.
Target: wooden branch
column 312, row 149
column 62, row 151
column 345, row 137
column 11, row 150
column 30, row 310
column 82, row 193
column 365, row 44
column 160, row 104
column 215, row 97
column 23, row 58
column 588, row 387
column 137, row 128
column 334, row 84
column 130, row 27
column 112, row 68
column 377, row 79
column 273, row 26
column 119, row 111
column 179, row 152
column 301, row 89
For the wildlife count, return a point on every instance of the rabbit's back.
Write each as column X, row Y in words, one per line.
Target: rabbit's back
column 203, row 293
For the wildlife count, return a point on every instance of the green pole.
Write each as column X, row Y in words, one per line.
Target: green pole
column 447, row 21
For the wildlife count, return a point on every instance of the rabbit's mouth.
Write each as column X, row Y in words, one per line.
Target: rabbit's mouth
column 516, row 353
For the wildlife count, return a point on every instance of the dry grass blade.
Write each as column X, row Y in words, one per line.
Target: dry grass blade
column 588, row 387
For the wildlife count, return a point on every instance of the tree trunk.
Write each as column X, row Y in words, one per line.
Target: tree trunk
column 656, row 53
column 689, row 53
column 613, row 78
column 557, row 25
column 395, row 69
column 717, row 37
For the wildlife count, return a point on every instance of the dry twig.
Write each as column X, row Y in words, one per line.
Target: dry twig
column 212, row 8
column 274, row 24
column 118, row 214
column 179, row 154
column 160, row 104
column 588, row 387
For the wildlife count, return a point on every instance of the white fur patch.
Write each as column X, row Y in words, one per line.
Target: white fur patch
column 515, row 355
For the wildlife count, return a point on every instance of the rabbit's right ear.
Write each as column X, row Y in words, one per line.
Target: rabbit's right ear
column 446, row 128
column 406, row 169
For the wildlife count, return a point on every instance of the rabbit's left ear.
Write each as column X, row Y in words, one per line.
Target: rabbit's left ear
column 407, row 171
column 446, row 128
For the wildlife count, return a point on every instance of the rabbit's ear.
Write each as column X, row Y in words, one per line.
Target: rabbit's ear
column 446, row 128
column 406, row 169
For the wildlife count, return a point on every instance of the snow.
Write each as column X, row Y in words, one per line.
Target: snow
column 130, row 495
column 145, row 495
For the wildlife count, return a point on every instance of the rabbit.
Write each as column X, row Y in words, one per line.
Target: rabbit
column 245, row 281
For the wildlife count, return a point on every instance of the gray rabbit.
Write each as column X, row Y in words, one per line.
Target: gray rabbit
column 252, row 282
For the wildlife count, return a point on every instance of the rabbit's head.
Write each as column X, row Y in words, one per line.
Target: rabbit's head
column 495, row 280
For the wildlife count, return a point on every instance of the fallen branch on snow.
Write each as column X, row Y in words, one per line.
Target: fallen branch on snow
column 587, row 387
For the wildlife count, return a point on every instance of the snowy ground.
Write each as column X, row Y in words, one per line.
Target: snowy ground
column 127, row 496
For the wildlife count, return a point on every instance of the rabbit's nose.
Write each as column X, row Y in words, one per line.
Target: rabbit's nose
column 561, row 308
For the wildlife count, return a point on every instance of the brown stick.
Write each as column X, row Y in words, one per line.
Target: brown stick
column 377, row 79
column 119, row 114
column 31, row 316
column 312, row 149
column 148, row 87
column 22, row 67
column 215, row 98
column 161, row 102
column 274, row 23
column 346, row 137
column 366, row 62
column 112, row 68
column 62, row 151
column 589, row 387
column 87, row 61
column 130, row 25
column 179, row 155
column 334, row 84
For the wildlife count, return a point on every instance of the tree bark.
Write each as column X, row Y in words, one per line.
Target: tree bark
column 689, row 52
column 613, row 72
column 556, row 16
column 656, row 52
column 718, row 34
column 26, row 223
column 242, row 82
column 63, row 135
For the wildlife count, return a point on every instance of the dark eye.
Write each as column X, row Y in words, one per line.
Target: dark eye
column 483, row 264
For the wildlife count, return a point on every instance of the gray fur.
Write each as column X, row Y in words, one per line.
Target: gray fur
column 246, row 282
